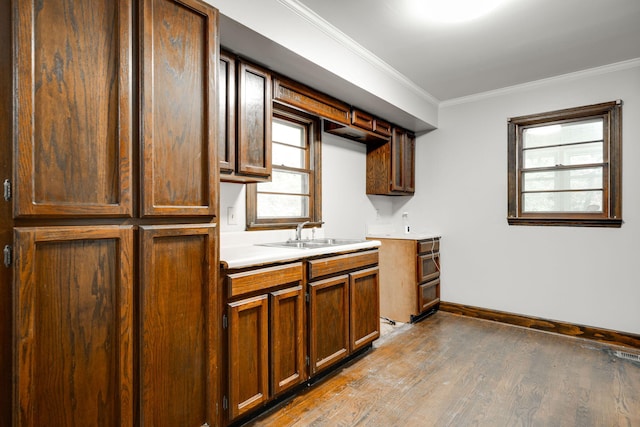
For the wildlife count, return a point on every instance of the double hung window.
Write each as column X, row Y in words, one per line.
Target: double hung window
column 293, row 194
column 565, row 167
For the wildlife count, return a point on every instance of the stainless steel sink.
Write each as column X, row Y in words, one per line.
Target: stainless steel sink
column 311, row 244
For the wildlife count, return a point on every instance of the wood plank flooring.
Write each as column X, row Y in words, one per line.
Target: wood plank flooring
column 450, row 370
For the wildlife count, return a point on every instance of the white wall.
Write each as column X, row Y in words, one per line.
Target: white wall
column 346, row 209
column 588, row 276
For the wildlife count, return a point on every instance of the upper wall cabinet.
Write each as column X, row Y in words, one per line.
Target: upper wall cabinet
column 73, row 108
column 244, row 137
column 296, row 95
column 178, row 73
column 391, row 165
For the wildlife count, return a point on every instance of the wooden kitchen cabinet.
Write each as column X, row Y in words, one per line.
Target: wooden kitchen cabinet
column 178, row 331
column 74, row 109
column 74, row 326
column 343, row 306
column 391, row 165
column 115, row 122
column 409, row 278
column 178, row 57
column 244, row 138
column 328, row 322
column 265, row 335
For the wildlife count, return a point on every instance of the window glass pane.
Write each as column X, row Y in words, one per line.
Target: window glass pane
column 573, row 179
column 285, row 155
column 286, row 182
column 571, row 201
column 565, row 133
column 282, row 206
column 563, row 155
column 287, row 133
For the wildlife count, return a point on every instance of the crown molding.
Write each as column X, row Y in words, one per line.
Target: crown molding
column 346, row 41
column 618, row 66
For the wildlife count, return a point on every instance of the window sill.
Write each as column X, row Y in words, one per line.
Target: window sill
column 568, row 222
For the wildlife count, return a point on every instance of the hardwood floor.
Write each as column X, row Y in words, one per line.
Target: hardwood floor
column 450, row 370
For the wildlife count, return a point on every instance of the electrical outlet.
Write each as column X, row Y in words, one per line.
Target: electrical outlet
column 231, row 216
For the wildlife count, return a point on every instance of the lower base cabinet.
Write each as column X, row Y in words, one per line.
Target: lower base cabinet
column 410, row 278
column 344, row 307
column 286, row 323
column 265, row 335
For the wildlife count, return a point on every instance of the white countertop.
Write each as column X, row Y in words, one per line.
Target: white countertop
column 252, row 255
column 405, row 236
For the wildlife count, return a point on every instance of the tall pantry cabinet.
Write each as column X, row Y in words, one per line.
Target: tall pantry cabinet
column 109, row 213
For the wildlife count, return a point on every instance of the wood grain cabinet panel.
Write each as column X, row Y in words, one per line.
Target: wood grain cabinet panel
column 254, row 120
column 73, row 108
column 364, row 318
column 287, row 351
column 178, row 314
column 227, row 113
column 328, row 322
column 409, row 278
column 179, row 63
column 248, row 354
column 74, row 326
column 391, row 165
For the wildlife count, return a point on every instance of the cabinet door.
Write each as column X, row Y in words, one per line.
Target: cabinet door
column 402, row 161
column 365, row 307
column 287, row 339
column 73, row 108
column 227, row 113
column 178, row 341
column 254, row 121
column 179, row 58
column 328, row 322
column 74, row 326
column 248, row 354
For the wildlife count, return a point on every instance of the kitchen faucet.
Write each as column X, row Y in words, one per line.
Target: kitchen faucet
column 299, row 229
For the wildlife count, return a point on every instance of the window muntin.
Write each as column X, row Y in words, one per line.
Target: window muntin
column 293, row 194
column 564, row 167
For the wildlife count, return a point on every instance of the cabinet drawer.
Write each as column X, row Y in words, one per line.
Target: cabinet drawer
column 428, row 267
column 362, row 120
column 337, row 264
column 263, row 278
column 428, row 246
column 428, row 295
column 381, row 127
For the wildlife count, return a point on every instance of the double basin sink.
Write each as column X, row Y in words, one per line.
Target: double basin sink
column 314, row 243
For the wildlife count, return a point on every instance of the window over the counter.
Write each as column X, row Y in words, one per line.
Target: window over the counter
column 565, row 167
column 294, row 193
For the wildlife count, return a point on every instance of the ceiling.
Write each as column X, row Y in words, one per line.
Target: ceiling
column 518, row 42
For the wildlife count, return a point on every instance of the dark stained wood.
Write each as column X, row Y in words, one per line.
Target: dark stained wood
column 179, row 63
column 428, row 295
column 391, row 165
column 248, row 340
column 428, row 266
column 74, row 109
column 288, row 346
column 227, row 113
column 364, row 308
column 554, row 326
column 311, row 101
column 254, row 105
column 362, row 119
column 261, row 279
column 332, row 265
column 381, row 127
column 328, row 322
column 450, row 370
column 74, row 326
column 178, row 325
column 6, row 220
